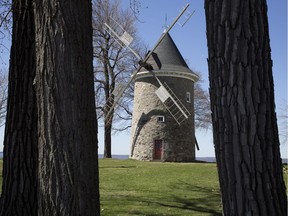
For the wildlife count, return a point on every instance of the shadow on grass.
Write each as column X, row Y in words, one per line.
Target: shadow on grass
column 200, row 205
column 187, row 199
column 117, row 167
column 208, row 203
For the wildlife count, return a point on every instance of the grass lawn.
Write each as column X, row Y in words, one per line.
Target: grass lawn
column 130, row 187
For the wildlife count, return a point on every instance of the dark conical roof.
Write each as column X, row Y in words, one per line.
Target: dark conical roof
column 166, row 60
column 168, row 52
column 167, row 55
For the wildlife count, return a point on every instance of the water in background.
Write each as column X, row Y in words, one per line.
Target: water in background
column 121, row 157
column 125, row 157
column 203, row 159
column 200, row 159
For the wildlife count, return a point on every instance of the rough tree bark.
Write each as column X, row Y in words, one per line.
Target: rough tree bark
column 68, row 165
column 243, row 111
column 19, row 189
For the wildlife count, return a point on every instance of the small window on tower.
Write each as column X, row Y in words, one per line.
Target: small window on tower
column 160, row 119
column 188, row 97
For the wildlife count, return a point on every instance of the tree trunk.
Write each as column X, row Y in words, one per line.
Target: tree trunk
column 107, row 139
column 19, row 188
column 243, row 110
column 68, row 164
column 109, row 98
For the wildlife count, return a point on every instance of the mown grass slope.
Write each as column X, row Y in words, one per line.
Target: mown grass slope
column 131, row 187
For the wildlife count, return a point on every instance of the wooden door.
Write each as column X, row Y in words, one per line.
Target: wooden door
column 158, row 146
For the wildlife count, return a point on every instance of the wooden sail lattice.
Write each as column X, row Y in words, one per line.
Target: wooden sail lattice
column 112, row 101
column 165, row 93
column 172, row 103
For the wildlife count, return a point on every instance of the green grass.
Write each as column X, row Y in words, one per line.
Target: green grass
column 129, row 187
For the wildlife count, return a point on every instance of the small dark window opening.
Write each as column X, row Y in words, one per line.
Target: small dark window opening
column 160, row 119
column 188, row 97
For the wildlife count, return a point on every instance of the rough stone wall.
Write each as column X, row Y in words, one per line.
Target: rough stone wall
column 178, row 140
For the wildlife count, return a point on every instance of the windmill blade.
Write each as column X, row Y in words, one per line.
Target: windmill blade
column 186, row 16
column 143, row 63
column 161, row 38
column 125, row 39
column 170, row 100
column 172, row 103
column 113, row 102
column 196, row 143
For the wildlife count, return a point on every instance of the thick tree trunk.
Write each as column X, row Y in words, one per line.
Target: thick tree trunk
column 243, row 110
column 68, row 165
column 19, row 189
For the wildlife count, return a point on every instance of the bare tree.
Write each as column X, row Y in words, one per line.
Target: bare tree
column 243, row 111
column 5, row 13
column 5, row 26
column 5, row 17
column 202, row 109
column 282, row 119
column 3, row 97
column 113, row 63
column 5, row 34
column 136, row 7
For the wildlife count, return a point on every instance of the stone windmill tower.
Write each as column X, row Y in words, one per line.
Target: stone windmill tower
column 163, row 130
column 163, row 115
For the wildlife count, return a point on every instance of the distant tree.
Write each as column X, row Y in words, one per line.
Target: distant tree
column 136, row 8
column 202, row 111
column 3, row 97
column 19, row 188
column 5, row 18
column 113, row 64
column 5, row 14
column 282, row 118
column 5, row 27
column 243, row 111
column 67, row 124
column 5, row 34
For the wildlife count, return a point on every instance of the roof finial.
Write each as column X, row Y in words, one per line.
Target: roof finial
column 165, row 25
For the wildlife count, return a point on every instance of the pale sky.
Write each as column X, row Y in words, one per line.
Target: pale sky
column 191, row 42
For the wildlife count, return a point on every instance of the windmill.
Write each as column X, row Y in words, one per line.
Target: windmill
column 169, row 99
